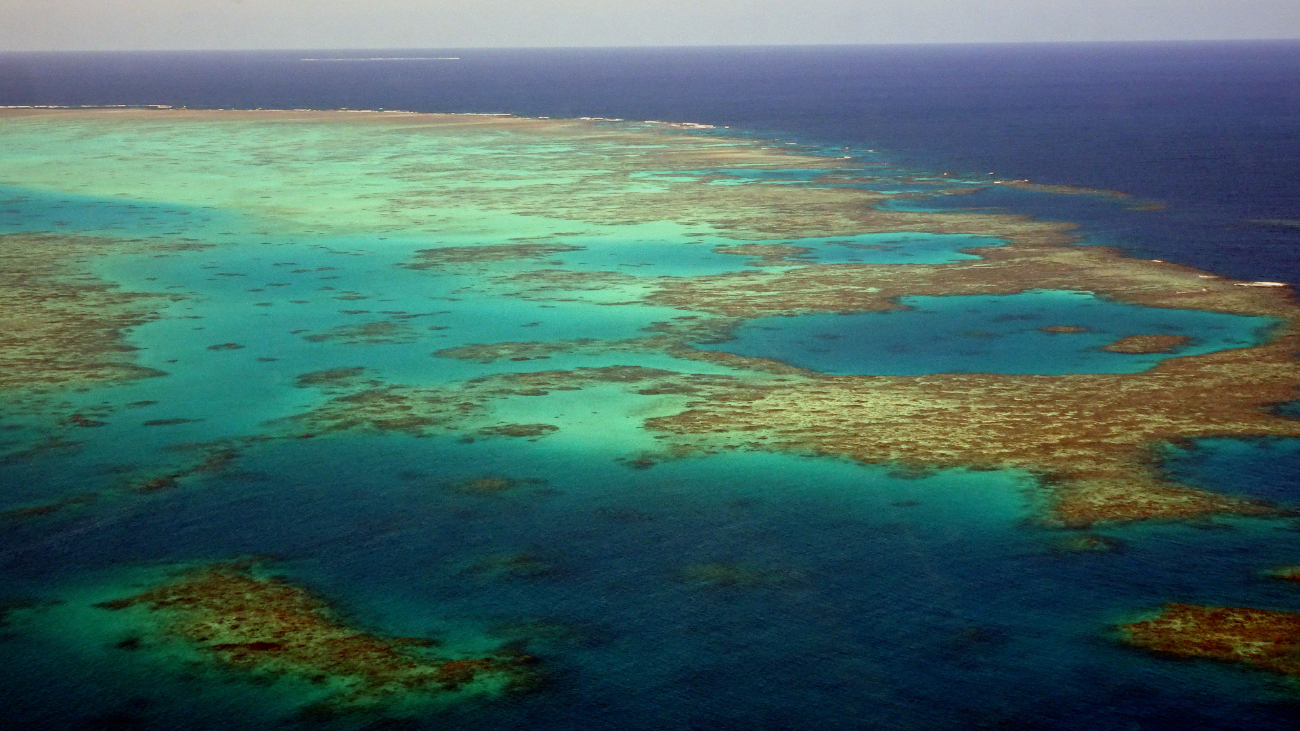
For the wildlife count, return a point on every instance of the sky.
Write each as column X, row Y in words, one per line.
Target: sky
column 32, row 25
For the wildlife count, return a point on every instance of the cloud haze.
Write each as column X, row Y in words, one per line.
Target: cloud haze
column 271, row 24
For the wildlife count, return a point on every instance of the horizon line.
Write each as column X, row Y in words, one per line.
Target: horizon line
column 689, row 46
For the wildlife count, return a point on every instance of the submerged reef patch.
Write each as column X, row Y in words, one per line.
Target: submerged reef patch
column 723, row 575
column 1064, row 329
column 1138, row 344
column 452, row 255
column 494, row 484
column 330, row 377
column 269, row 626
column 1284, row 573
column 380, row 332
column 518, row 430
column 1086, row 543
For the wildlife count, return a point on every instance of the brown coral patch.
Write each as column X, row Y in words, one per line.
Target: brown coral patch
column 198, row 458
column 518, row 430
column 330, row 377
column 491, row 484
column 271, row 626
column 450, row 255
column 1063, row 329
column 381, row 332
column 1258, row 638
column 392, row 408
column 39, row 511
column 157, row 484
column 60, row 324
column 1138, row 344
column 520, row 351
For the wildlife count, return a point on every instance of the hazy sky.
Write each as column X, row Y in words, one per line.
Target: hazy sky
column 262, row 24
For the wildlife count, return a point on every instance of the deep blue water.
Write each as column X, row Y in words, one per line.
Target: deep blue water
column 889, row 601
column 1212, row 130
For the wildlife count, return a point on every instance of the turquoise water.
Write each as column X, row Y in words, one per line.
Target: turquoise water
column 669, row 258
column 988, row 334
column 858, row 597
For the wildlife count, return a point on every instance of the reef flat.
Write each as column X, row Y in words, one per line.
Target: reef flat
column 62, row 325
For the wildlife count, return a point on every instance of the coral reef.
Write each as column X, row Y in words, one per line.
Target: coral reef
column 329, row 377
column 1129, row 201
column 60, row 325
column 1258, row 638
column 1035, row 260
column 518, row 430
column 380, row 332
column 1138, row 344
column 452, row 255
column 266, row 625
column 1091, row 440
column 1064, row 329
column 493, row 484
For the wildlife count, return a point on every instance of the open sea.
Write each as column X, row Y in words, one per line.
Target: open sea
column 745, row 590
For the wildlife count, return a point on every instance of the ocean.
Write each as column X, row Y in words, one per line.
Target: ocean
column 708, row 588
column 1207, row 128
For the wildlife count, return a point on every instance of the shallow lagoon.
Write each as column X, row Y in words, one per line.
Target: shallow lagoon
column 988, row 334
